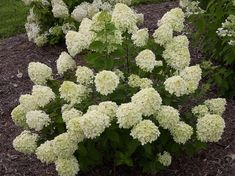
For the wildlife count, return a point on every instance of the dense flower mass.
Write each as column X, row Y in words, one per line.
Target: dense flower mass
column 37, row 120
column 165, row 158
column 210, row 128
column 93, row 123
column 26, row 142
column 73, row 93
column 70, row 114
column 176, row 85
column 124, row 18
column 65, row 63
column 106, row 82
column 148, row 100
column 175, row 18
column 167, row 117
column 45, row 152
column 163, row 35
column 128, row 115
column 59, row 9
column 216, row 106
column 145, row 131
column 67, row 167
column 181, row 132
column 39, row 73
column 84, row 75
column 200, row 111
column 140, row 37
column 146, row 60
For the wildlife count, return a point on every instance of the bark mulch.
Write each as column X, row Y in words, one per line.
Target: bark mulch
column 15, row 55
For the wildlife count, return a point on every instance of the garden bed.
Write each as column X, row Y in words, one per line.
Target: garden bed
column 15, row 55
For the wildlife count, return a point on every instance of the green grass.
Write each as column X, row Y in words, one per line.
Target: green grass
column 13, row 15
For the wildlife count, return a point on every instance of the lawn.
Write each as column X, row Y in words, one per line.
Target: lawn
column 13, row 15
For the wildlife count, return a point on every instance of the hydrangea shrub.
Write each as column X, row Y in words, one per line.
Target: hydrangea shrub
column 50, row 20
column 124, row 106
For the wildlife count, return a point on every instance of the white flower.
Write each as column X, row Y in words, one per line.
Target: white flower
column 64, row 63
column 192, row 75
column 45, row 153
column 175, row 18
column 134, row 80
column 80, row 12
column 176, row 85
column 72, row 92
column 43, row 95
column 145, row 83
column 163, row 35
column 165, row 158
column 148, row 100
column 210, row 128
column 67, row 167
column 18, row 115
column 39, row 73
column 64, row 146
column 216, row 105
column 146, row 60
column 200, row 111
column 124, row 18
column 33, row 30
column 109, row 108
column 59, row 9
column 145, row 132
column 128, row 115
column 41, row 40
column 74, row 130
column 140, row 37
column 84, row 75
column 70, row 114
column 167, row 117
column 28, row 102
column 176, row 53
column 181, row 132
column 106, row 82
column 26, row 142
column 37, row 120
column 78, row 41
column 93, row 123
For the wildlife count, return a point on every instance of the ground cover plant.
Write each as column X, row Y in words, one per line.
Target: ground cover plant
column 13, row 17
column 217, row 40
column 125, row 108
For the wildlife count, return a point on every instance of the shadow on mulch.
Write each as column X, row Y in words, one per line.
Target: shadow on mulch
column 15, row 55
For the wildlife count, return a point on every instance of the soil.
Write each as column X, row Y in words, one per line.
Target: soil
column 15, row 55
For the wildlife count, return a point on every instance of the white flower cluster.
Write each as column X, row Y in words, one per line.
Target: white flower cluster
column 64, row 63
column 45, row 152
column 210, row 128
column 228, row 29
column 211, row 106
column 59, row 9
column 106, row 82
column 140, row 37
column 41, row 96
column 184, row 83
column 135, row 81
column 73, row 93
column 67, row 167
column 175, row 18
column 191, row 7
column 165, row 158
column 39, row 73
column 124, row 18
column 146, row 60
column 176, row 52
column 145, row 131
column 85, row 75
column 26, row 142
column 37, row 120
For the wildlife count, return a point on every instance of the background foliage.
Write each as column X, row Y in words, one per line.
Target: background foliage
column 216, row 49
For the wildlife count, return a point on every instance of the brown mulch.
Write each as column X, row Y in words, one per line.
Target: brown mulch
column 17, row 52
